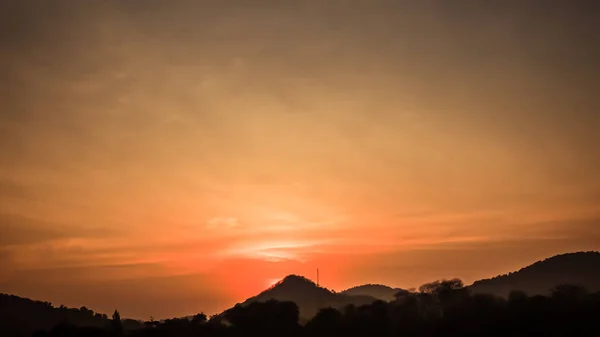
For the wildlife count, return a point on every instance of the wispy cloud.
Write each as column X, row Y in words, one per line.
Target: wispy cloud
column 18, row 230
column 298, row 250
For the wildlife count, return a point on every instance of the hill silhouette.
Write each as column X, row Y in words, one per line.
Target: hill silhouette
column 307, row 295
column 582, row 269
column 378, row 291
column 22, row 316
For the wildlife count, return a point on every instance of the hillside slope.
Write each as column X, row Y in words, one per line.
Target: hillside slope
column 581, row 268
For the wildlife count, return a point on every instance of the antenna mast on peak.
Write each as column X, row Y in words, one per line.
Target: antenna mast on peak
column 317, row 277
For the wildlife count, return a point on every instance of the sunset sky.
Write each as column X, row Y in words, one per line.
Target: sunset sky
column 169, row 157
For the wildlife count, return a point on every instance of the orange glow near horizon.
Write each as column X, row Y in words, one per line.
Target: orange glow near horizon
column 169, row 159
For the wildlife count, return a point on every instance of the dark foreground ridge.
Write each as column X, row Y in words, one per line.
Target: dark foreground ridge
column 296, row 306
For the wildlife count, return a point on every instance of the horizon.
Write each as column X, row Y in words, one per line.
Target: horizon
column 163, row 158
column 279, row 281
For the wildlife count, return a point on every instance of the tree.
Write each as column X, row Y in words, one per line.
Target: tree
column 86, row 311
column 116, row 323
column 569, row 292
column 325, row 323
column 438, row 288
column 401, row 294
column 445, row 290
column 517, row 297
column 199, row 319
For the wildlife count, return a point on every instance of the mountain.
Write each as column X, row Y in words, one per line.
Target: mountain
column 22, row 316
column 308, row 296
column 378, row 291
column 582, row 268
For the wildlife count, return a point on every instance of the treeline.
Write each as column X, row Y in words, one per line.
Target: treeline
column 22, row 317
column 442, row 308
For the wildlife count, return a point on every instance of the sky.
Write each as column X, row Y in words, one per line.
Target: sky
column 165, row 158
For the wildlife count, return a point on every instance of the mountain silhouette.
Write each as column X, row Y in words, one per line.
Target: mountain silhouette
column 308, row 296
column 582, row 269
column 378, row 291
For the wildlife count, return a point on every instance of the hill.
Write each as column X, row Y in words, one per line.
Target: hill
column 582, row 268
column 308, row 296
column 378, row 291
column 22, row 316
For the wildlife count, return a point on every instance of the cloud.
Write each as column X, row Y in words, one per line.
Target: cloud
column 79, row 273
column 569, row 229
column 278, row 250
column 18, row 230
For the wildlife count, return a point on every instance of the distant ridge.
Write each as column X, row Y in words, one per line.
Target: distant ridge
column 378, row 291
column 581, row 268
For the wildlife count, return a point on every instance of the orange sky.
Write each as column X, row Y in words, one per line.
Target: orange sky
column 169, row 159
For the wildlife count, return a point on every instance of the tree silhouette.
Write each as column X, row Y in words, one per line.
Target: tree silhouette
column 116, row 323
column 199, row 319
